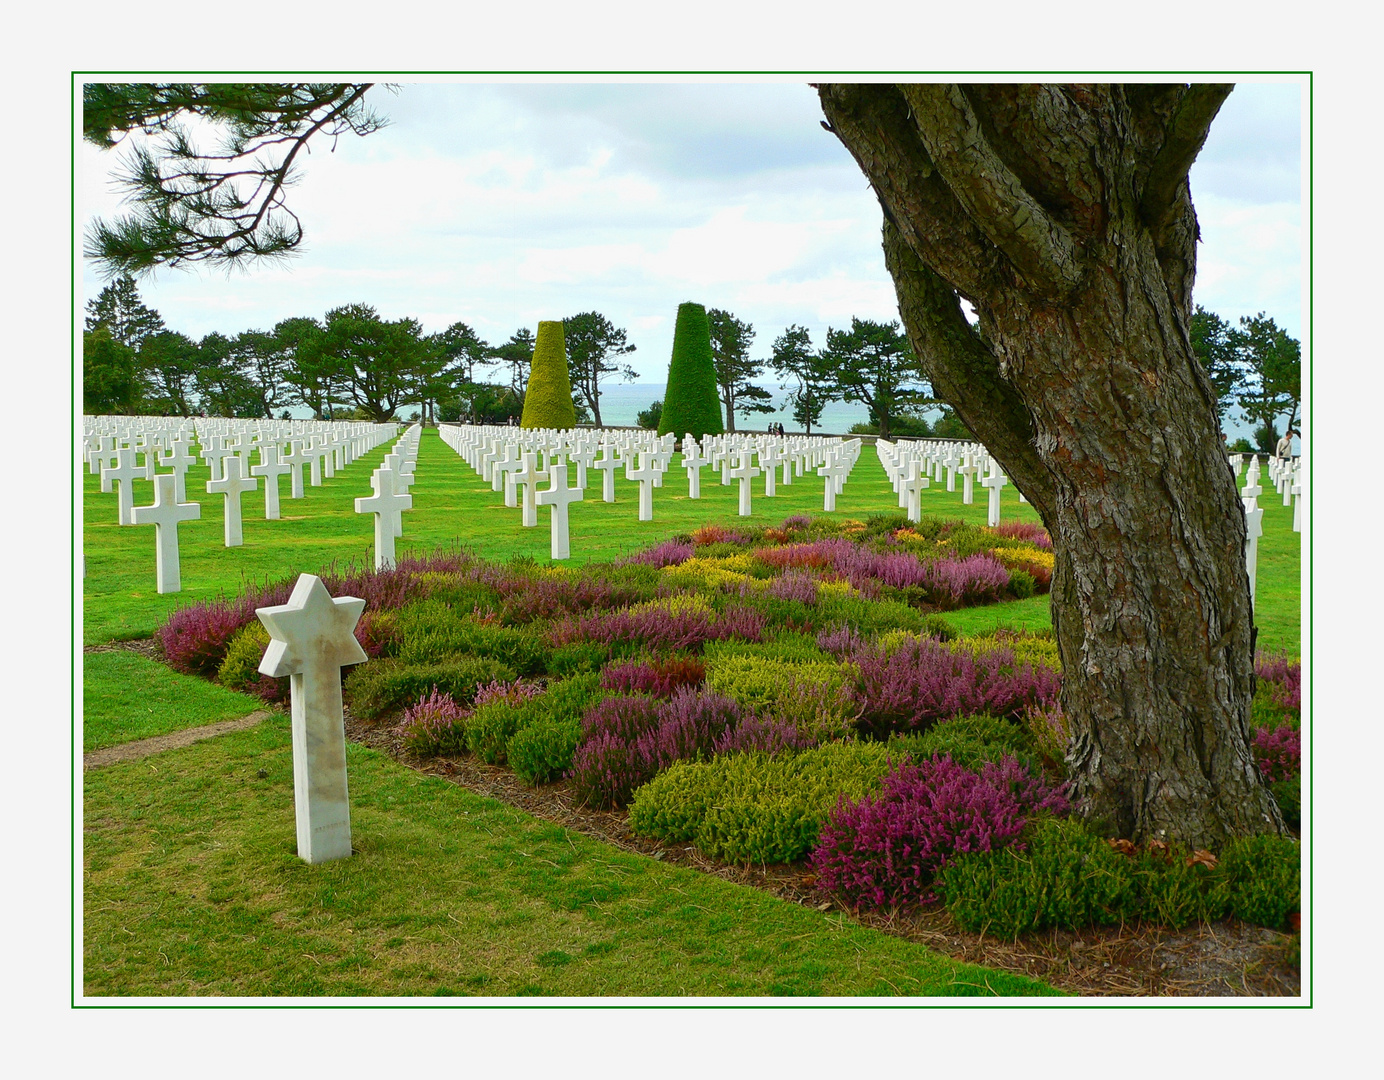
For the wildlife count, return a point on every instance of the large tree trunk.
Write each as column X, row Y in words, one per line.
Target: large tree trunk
column 1062, row 214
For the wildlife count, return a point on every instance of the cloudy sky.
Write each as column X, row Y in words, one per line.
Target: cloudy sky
column 503, row 204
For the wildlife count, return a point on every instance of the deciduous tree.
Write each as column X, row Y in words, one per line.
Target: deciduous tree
column 1213, row 342
column 1272, row 384
column 110, row 375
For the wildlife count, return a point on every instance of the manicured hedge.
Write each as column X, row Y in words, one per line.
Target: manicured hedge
column 691, row 403
column 548, row 398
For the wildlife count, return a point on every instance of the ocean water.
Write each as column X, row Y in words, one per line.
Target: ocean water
column 621, row 404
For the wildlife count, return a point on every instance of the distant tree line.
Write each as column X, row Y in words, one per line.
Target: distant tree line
column 1256, row 366
column 350, row 364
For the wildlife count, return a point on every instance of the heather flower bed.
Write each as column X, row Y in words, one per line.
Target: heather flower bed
column 767, row 695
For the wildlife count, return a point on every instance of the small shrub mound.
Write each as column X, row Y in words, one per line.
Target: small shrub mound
column 658, row 677
column 381, row 685
column 751, row 807
column 1279, row 753
column 1067, row 877
column 970, row 741
column 240, row 668
column 884, row 851
column 434, row 725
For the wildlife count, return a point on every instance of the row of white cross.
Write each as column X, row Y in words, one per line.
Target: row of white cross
column 389, row 484
column 116, row 457
column 1287, row 478
column 517, row 461
column 911, row 468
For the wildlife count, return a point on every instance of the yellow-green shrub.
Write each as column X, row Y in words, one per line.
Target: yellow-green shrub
column 754, row 808
column 813, row 696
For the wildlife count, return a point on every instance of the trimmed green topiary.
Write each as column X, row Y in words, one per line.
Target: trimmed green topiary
column 691, row 403
column 548, row 398
column 381, row 685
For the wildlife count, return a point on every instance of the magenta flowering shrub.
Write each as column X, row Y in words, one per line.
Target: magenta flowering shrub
column 924, row 682
column 1284, row 677
column 689, row 724
column 796, row 522
column 794, row 585
column 626, row 718
column 606, row 770
column 765, row 734
column 660, row 629
column 1279, row 753
column 1025, row 531
column 434, row 725
column 885, row 851
column 668, row 553
column 511, row 693
column 527, row 600
column 841, row 641
column 627, row 741
column 975, row 579
column 658, row 677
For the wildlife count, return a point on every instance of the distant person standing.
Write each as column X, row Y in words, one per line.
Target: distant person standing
column 1284, row 450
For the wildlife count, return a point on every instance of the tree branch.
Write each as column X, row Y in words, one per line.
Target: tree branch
column 965, row 373
column 1041, row 249
column 1186, row 134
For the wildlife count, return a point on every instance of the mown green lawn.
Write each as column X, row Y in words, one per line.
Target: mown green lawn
column 192, row 887
column 126, row 697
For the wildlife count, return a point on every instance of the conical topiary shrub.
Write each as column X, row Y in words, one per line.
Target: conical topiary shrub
column 548, row 399
column 691, row 402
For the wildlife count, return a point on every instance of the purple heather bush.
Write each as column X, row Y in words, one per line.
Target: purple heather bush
column 885, row 851
column 764, row 734
column 658, row 677
column 1279, row 753
column 841, row 642
column 689, row 724
column 626, row 741
column 527, row 600
column 606, row 770
column 658, row 628
column 511, row 693
column 796, row 522
column 975, row 579
column 625, row 717
column 924, row 682
column 1285, row 679
column 1025, row 531
column 434, row 725
column 668, row 553
column 794, row 585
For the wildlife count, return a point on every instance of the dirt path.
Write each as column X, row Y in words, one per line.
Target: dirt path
column 144, row 747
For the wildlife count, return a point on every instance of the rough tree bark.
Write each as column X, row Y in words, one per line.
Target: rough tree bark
column 1062, row 214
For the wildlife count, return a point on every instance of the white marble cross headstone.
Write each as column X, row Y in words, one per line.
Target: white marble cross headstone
column 271, row 468
column 994, row 482
column 558, row 496
column 692, row 461
column 529, row 476
column 230, row 487
column 745, row 473
column 313, row 639
column 295, row 459
column 913, row 485
column 164, row 515
column 386, row 504
column 124, row 474
column 179, row 459
column 1254, row 529
column 645, row 475
column 608, row 463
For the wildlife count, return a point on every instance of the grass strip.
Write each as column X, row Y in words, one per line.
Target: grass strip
column 126, row 697
column 192, row 887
